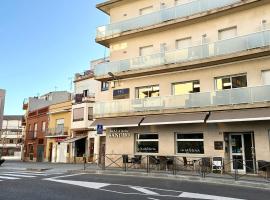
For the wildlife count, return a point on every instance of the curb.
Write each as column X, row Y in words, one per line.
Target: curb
column 208, row 180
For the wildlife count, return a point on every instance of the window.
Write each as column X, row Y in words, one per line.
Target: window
column 60, row 126
column 90, row 113
column 43, row 126
column 146, row 10
column 229, row 82
column 186, row 87
column 179, row 2
column 85, row 93
column 147, row 143
column 78, row 114
column 35, row 130
column 183, row 43
column 146, row 50
column 148, row 91
column 266, row 77
column 104, row 86
column 227, row 33
column 192, row 143
column 11, row 141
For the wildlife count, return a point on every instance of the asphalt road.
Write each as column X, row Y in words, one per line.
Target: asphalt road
column 25, row 185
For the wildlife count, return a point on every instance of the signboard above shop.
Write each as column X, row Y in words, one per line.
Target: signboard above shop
column 119, row 133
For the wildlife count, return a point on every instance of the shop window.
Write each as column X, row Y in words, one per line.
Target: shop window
column 78, row 114
column 104, row 85
column 90, row 113
column 192, row 143
column 147, row 143
column 266, row 77
column 229, row 82
column 147, row 91
column 146, row 10
column 227, row 33
column 186, row 87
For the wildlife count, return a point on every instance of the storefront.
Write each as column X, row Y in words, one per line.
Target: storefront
column 239, row 138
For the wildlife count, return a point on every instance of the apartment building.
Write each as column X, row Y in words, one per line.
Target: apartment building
column 36, row 123
column 187, row 78
column 2, row 105
column 59, row 122
column 84, row 141
column 11, row 137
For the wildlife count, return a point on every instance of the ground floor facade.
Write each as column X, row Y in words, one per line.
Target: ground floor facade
column 57, row 150
column 11, row 152
column 245, row 142
column 35, row 150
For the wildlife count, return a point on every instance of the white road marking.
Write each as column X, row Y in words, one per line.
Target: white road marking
column 18, row 175
column 9, row 178
column 145, row 191
column 152, row 198
column 27, row 173
column 204, row 196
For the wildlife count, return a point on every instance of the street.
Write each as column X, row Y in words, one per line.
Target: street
column 28, row 185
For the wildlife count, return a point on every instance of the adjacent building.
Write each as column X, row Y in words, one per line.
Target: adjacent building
column 84, row 141
column 186, row 78
column 11, row 137
column 36, row 124
column 59, row 124
column 2, row 105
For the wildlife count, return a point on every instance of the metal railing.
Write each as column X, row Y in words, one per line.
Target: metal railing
column 60, row 131
column 192, row 53
column 246, row 95
column 249, row 170
column 163, row 15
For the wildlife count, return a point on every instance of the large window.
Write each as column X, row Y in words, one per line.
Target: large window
column 266, row 77
column 78, row 114
column 146, row 10
column 60, row 126
column 104, row 86
column 229, row 82
column 227, row 33
column 43, row 127
column 186, row 87
column 191, row 143
column 146, row 50
column 147, row 91
column 35, row 130
column 147, row 143
column 183, row 43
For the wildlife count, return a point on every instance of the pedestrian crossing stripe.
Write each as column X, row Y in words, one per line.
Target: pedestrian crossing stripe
column 19, row 175
column 8, row 178
column 15, row 175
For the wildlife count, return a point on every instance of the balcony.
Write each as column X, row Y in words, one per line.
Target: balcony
column 248, row 95
column 31, row 135
column 163, row 15
column 82, row 76
column 57, row 132
column 81, row 98
column 219, row 50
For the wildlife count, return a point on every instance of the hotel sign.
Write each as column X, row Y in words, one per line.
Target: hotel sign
column 119, row 133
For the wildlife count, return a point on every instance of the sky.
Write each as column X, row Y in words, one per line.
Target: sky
column 43, row 43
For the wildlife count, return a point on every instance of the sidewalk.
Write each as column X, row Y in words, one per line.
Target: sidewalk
column 52, row 167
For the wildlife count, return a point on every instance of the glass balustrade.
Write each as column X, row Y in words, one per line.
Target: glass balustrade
column 218, row 48
column 247, row 95
column 162, row 15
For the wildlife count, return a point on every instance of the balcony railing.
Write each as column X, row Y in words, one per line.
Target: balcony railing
column 163, row 15
column 80, row 98
column 60, row 131
column 218, row 48
column 247, row 95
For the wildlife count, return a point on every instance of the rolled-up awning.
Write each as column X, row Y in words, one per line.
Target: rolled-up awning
column 71, row 140
column 118, row 122
column 179, row 118
column 254, row 114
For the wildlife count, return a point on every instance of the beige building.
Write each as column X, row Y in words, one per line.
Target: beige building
column 186, row 78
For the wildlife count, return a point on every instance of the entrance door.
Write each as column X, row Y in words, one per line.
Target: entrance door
column 242, row 152
column 40, row 153
column 237, row 149
column 50, row 152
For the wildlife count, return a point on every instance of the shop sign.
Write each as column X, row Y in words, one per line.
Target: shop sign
column 191, row 150
column 59, row 139
column 119, row 133
column 121, row 93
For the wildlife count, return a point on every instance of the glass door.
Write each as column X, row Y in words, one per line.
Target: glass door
column 237, row 152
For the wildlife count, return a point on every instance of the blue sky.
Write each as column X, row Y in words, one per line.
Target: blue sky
column 43, row 43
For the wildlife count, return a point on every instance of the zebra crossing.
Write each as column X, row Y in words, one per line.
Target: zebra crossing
column 17, row 175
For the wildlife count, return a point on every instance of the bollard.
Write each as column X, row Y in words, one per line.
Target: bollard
column 84, row 161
